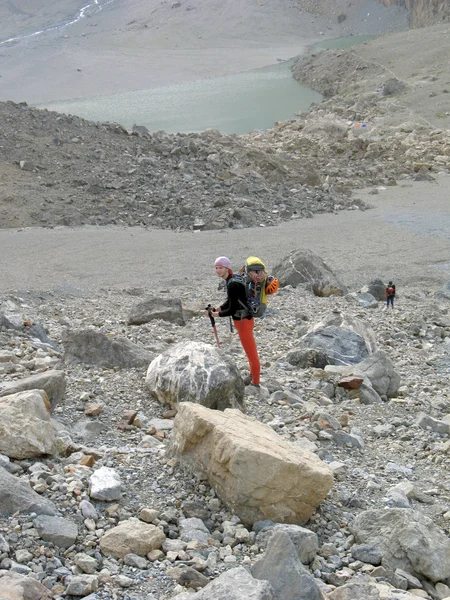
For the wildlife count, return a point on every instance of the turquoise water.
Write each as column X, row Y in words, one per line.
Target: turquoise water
column 236, row 103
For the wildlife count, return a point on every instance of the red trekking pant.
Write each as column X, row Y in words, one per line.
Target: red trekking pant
column 245, row 330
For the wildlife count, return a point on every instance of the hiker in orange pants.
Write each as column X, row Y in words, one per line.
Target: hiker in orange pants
column 245, row 330
column 236, row 308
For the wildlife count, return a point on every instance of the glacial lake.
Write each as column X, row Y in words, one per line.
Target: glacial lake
column 236, row 103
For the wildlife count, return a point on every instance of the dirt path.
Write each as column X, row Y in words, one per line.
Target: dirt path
column 403, row 237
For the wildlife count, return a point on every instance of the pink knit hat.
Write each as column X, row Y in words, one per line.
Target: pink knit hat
column 223, row 261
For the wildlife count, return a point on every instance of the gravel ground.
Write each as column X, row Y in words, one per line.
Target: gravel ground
column 405, row 236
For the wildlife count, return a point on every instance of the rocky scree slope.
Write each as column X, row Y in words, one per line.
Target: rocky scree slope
column 384, row 119
column 392, row 446
column 63, row 170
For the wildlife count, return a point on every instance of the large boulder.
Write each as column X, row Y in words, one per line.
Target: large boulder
column 305, row 267
column 256, row 473
column 53, row 383
column 131, row 537
column 379, row 369
column 341, row 346
column 407, row 540
column 375, row 288
column 95, row 348
column 26, row 430
column 195, row 372
column 341, row 338
column 166, row 309
column 16, row 495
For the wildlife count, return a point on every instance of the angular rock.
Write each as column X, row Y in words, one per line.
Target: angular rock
column 53, row 383
column 304, row 266
column 350, row 383
column 16, row 495
column 4, row 546
column 305, row 541
column 188, row 577
column 427, row 422
column 14, row 586
column 234, row 584
column 195, row 372
column 367, row 301
column 282, row 568
column 82, row 585
column 60, row 532
column 367, row 554
column 375, row 288
column 378, row 368
column 256, row 473
column 95, row 348
column 105, row 485
column 193, row 529
column 166, row 309
column 26, row 430
column 355, row 590
column 407, row 540
column 365, row 394
column 131, row 536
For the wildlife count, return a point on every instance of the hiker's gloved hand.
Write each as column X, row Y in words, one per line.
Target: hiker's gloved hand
column 209, row 311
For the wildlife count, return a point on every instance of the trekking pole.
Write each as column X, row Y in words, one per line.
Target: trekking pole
column 231, row 325
column 209, row 308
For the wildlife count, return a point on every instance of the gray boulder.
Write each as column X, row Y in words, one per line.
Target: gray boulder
column 305, row 541
column 234, row 584
column 375, row 288
column 53, row 383
column 195, row 372
column 341, row 346
column 16, row 495
column 378, row 368
column 282, row 568
column 34, row 331
column 366, row 300
column 58, row 531
column 406, row 540
column 343, row 339
column 95, row 348
column 166, row 309
column 305, row 267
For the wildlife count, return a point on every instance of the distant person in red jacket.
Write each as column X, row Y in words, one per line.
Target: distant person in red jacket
column 389, row 292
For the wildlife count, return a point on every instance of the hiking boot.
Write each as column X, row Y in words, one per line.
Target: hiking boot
column 255, row 385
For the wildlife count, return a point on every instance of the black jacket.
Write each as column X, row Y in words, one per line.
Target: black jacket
column 236, row 300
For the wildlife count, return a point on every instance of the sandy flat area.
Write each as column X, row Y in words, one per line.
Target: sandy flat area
column 141, row 44
column 403, row 237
